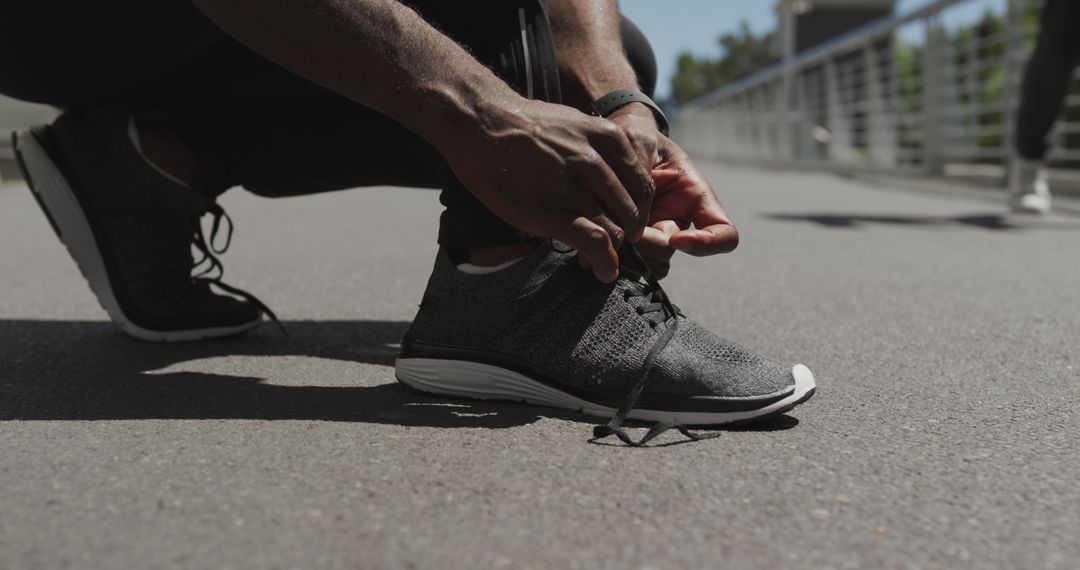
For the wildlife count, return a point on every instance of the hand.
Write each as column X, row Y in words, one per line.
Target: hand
column 555, row 172
column 682, row 197
column 655, row 246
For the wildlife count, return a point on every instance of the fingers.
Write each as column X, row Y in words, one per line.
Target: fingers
column 654, row 247
column 714, row 232
column 654, row 243
column 612, row 202
column 634, row 178
column 695, row 199
column 593, row 243
column 710, row 240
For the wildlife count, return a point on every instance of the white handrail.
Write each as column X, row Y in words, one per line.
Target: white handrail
column 866, row 101
column 842, row 44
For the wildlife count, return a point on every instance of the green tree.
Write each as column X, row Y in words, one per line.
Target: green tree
column 744, row 53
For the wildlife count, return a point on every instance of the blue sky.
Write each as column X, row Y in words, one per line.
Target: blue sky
column 693, row 25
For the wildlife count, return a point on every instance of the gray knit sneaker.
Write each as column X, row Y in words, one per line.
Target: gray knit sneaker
column 545, row 332
column 131, row 229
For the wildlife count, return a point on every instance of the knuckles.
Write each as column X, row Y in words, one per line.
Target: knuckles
column 596, row 236
column 617, row 235
column 585, row 161
column 608, row 129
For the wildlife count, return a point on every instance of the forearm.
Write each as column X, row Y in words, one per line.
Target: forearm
column 592, row 62
column 379, row 53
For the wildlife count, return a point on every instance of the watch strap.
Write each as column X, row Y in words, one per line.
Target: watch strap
column 608, row 104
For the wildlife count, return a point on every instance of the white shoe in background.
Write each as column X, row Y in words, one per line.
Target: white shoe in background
column 1029, row 192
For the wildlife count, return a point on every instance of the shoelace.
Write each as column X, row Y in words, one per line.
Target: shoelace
column 660, row 302
column 214, row 270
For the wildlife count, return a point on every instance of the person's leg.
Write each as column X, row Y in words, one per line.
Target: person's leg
column 252, row 124
column 245, row 121
column 277, row 135
column 1046, row 82
column 273, row 149
column 1046, row 79
column 312, row 144
column 514, row 40
column 64, row 52
column 189, row 86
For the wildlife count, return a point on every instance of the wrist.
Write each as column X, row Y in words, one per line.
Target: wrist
column 636, row 112
column 609, row 104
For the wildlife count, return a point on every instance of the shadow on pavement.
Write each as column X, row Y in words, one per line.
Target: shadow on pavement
column 88, row 370
column 992, row 222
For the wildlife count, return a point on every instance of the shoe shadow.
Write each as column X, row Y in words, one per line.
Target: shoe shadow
column 85, row 370
column 780, row 422
column 990, row 222
column 324, row 370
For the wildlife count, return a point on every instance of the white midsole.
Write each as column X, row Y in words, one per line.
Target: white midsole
column 59, row 199
column 486, row 382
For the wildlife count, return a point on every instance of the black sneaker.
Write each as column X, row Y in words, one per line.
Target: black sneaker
column 131, row 229
column 543, row 331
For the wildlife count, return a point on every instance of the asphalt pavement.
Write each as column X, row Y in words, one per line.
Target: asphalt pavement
column 945, row 431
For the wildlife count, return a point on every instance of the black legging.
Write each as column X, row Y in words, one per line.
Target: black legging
column 1046, row 80
column 256, row 125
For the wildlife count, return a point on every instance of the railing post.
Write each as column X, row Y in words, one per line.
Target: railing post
column 972, row 83
column 950, row 106
column 880, row 117
column 1013, row 54
column 840, row 149
column 759, row 101
column 933, row 161
column 800, row 119
column 787, row 86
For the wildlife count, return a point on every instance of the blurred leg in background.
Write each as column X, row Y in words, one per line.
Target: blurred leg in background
column 1046, row 83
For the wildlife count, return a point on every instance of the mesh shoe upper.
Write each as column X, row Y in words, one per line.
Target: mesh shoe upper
column 550, row 315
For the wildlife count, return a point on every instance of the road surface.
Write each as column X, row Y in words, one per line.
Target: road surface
column 945, row 339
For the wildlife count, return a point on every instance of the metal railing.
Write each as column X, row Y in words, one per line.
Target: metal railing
column 904, row 94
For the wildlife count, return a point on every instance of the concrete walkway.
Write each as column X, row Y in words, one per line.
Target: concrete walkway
column 946, row 341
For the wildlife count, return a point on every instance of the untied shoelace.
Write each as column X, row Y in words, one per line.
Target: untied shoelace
column 214, row 270
column 671, row 321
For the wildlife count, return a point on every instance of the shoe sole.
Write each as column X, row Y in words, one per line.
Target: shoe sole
column 68, row 219
column 1026, row 211
column 462, row 378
